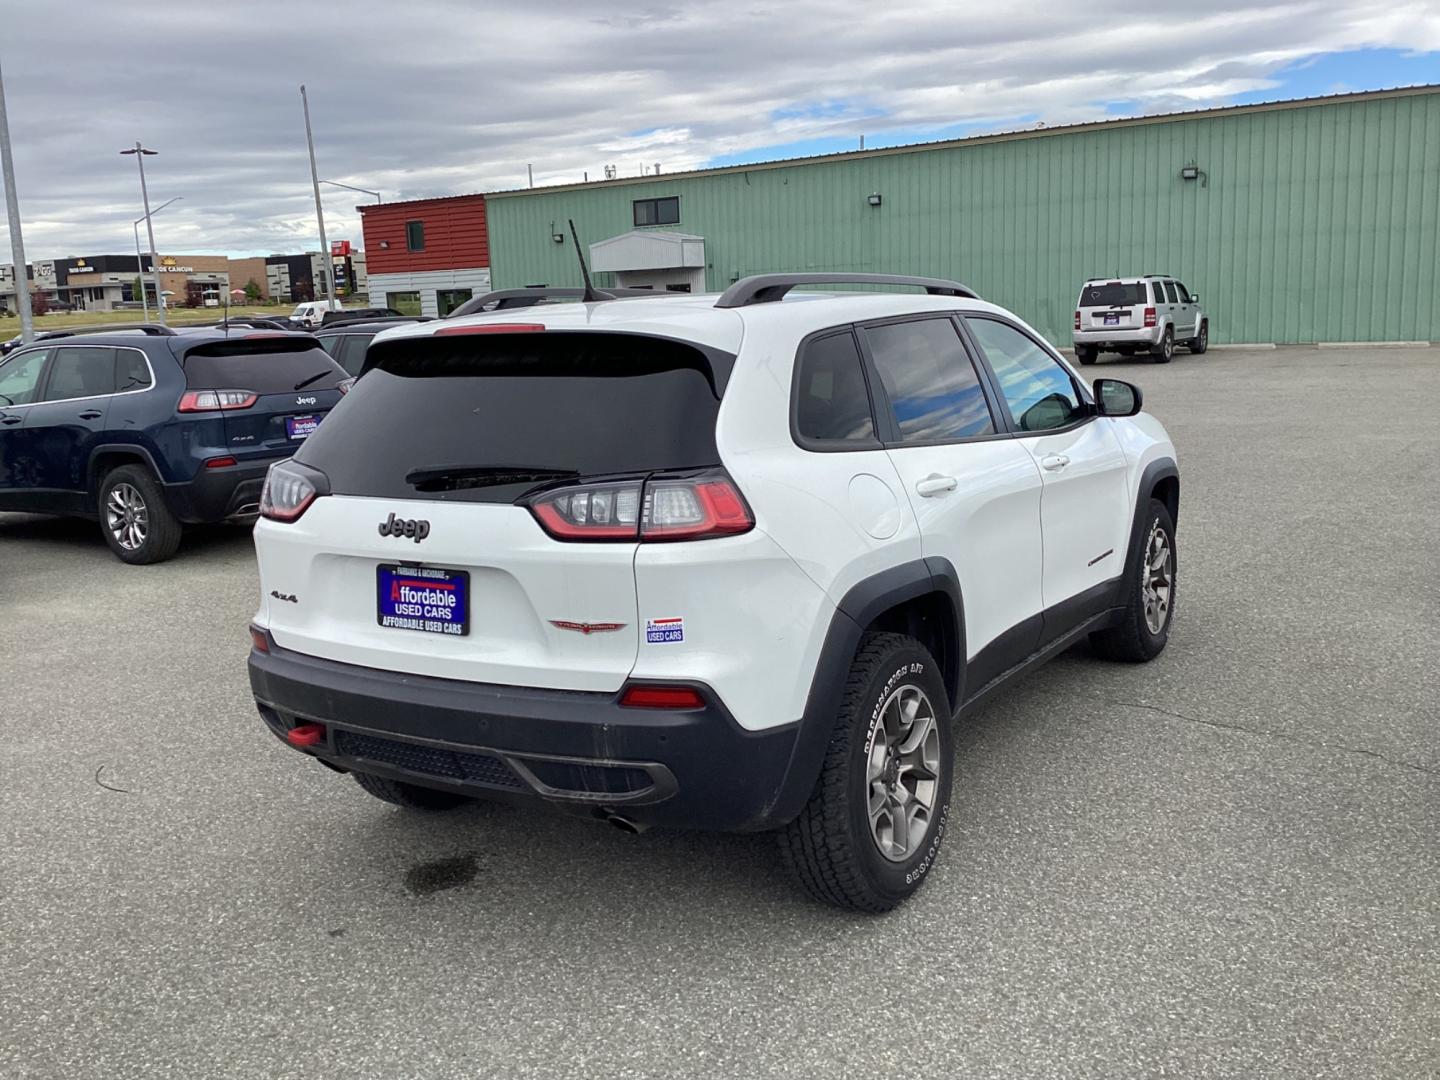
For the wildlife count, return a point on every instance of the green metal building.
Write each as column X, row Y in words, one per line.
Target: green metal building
column 1296, row 221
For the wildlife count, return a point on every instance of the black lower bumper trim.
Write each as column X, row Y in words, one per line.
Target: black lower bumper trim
column 691, row 768
column 218, row 494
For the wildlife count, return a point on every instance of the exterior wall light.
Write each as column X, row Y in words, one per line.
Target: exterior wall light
column 558, row 237
column 1191, row 172
column 873, row 199
column 385, row 243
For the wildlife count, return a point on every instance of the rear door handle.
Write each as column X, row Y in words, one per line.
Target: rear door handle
column 91, row 414
column 935, row 484
column 11, row 419
column 1054, row 462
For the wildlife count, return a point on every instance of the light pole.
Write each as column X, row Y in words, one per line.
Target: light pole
column 140, row 263
column 12, row 208
column 140, row 155
column 349, row 187
column 327, row 269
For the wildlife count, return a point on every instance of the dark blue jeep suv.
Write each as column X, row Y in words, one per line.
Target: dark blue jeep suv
column 149, row 433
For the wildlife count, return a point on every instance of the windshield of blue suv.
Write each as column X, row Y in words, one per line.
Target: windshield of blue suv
column 1113, row 294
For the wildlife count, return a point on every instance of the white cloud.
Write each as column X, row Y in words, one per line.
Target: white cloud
column 434, row 98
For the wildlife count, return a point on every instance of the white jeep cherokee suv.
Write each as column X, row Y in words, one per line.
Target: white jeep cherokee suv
column 729, row 563
column 1153, row 314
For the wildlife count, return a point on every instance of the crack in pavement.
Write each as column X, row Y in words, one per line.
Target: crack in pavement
column 1265, row 733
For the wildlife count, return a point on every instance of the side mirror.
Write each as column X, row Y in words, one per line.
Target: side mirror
column 1194, row 297
column 1114, row 397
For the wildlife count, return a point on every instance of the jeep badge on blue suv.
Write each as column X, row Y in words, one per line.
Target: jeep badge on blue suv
column 148, row 433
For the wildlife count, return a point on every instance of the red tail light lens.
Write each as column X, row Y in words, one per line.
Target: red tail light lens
column 289, row 490
column 216, row 400
column 661, row 697
column 1149, row 316
column 663, row 508
column 1077, row 320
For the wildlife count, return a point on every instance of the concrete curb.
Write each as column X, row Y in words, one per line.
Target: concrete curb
column 1372, row 344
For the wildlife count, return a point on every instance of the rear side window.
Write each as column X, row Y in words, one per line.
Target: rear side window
column 933, row 389
column 487, row 418
column 1112, row 294
column 831, row 402
column 275, row 366
column 80, row 371
column 20, row 378
column 131, row 371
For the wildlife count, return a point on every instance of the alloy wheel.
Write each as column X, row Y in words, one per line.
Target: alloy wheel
column 127, row 517
column 1158, row 579
column 902, row 773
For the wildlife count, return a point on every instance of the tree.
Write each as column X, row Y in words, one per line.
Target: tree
column 137, row 288
column 39, row 303
column 194, row 294
column 252, row 291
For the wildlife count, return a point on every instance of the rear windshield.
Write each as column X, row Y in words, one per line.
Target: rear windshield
column 1113, row 294
column 275, row 366
column 486, row 418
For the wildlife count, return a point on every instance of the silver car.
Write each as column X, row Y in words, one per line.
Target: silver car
column 1148, row 314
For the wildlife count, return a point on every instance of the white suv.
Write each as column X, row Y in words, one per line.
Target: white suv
column 1153, row 314
column 727, row 563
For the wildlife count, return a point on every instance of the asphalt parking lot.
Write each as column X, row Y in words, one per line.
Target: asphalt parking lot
column 1224, row 863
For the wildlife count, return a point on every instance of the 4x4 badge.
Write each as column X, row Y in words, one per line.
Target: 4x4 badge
column 415, row 529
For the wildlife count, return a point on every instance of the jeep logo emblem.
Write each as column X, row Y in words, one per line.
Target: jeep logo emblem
column 305, row 401
column 401, row 527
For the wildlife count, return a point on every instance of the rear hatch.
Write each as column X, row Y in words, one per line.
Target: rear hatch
column 272, row 391
column 1113, row 305
column 431, row 465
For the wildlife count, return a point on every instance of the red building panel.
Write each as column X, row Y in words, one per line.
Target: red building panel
column 455, row 235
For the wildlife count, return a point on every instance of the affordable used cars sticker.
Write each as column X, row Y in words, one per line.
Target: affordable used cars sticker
column 664, row 631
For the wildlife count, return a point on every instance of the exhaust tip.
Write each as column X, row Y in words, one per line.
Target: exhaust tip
column 624, row 824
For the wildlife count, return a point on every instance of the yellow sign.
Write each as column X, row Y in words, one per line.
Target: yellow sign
column 167, row 261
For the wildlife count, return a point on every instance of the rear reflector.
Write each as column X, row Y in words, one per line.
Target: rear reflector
column 491, row 328
column 220, row 463
column 306, row 735
column 661, row 697
column 259, row 639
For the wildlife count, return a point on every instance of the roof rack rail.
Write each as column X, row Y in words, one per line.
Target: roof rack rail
column 535, row 294
column 767, row 288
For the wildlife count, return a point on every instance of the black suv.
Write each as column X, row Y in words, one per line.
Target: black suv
column 149, row 433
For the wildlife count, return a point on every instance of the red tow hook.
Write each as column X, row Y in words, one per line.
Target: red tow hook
column 306, row 735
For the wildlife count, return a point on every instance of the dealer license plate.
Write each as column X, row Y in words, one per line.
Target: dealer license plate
column 424, row 598
column 300, row 427
column 1112, row 320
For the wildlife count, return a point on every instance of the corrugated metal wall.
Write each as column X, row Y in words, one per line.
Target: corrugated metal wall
column 1314, row 223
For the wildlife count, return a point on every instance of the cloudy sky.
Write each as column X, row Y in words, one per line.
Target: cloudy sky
column 427, row 98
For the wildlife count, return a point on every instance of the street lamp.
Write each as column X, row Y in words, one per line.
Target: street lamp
column 349, row 187
column 139, row 262
column 140, row 155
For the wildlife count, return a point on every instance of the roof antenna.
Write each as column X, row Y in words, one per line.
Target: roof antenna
column 590, row 296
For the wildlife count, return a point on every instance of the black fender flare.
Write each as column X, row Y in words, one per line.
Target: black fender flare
column 1160, row 469
column 862, row 604
column 92, row 474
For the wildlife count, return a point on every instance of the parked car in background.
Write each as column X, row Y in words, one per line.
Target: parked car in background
column 311, row 312
column 154, row 329
column 1128, row 315
column 728, row 562
column 351, row 314
column 147, row 433
column 347, row 341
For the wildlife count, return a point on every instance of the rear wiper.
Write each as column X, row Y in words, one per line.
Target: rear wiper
column 456, row 477
column 306, row 382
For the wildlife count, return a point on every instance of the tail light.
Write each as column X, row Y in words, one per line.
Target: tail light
column 289, row 490
column 216, row 400
column 1077, row 320
column 1149, row 316
column 696, row 507
column 344, row 385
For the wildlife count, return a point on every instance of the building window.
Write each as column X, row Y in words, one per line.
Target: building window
column 447, row 300
column 415, row 236
column 406, row 303
column 657, row 211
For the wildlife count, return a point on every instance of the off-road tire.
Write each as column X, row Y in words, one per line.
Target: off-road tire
column 1131, row 639
column 1166, row 349
column 1087, row 354
column 831, row 847
column 1200, row 343
column 410, row 796
column 162, row 528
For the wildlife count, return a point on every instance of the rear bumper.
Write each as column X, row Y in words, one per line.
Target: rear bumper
column 1105, row 338
column 580, row 751
column 218, row 494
